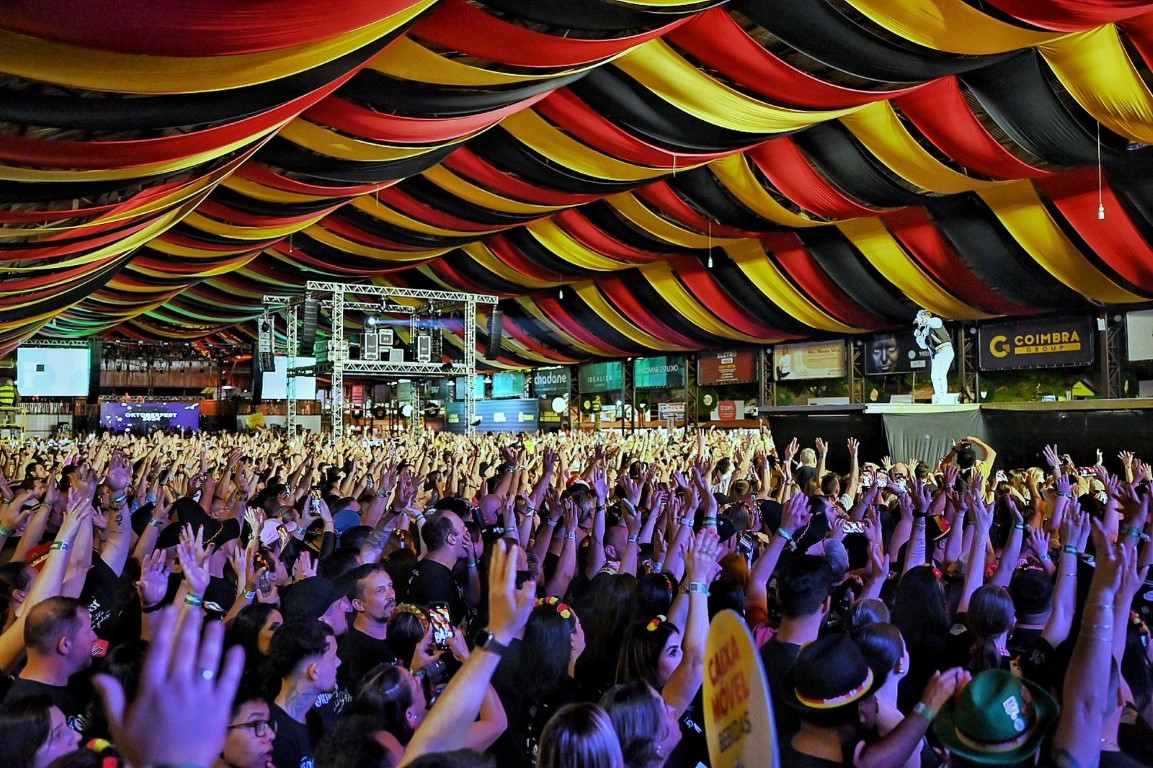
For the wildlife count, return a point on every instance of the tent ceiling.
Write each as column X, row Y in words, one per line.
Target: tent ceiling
column 691, row 174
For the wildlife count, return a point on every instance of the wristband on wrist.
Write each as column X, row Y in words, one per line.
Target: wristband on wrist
column 697, row 587
column 470, row 563
column 570, row 535
column 194, row 600
column 550, row 523
column 1044, row 557
column 155, row 523
column 1134, row 531
column 784, row 534
column 4, row 531
column 1066, row 494
column 633, row 538
column 1069, row 549
column 709, row 521
column 658, row 567
column 381, row 494
column 924, row 710
column 1019, row 526
column 152, row 608
column 120, row 500
column 250, row 594
column 60, row 546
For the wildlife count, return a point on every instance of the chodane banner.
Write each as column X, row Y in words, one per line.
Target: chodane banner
column 1051, row 342
column 551, row 381
column 144, row 417
column 667, row 372
column 734, row 366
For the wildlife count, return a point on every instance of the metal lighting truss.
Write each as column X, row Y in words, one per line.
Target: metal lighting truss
column 339, row 298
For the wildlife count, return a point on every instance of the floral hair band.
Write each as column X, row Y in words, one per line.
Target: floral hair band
column 656, row 622
column 562, row 609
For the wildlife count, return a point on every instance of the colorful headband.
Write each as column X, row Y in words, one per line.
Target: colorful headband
column 562, row 609
column 838, row 701
column 656, row 622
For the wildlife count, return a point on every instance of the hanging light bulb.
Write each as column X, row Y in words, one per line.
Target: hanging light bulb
column 560, row 293
column 710, row 261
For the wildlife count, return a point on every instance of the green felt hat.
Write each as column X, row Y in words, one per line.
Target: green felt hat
column 998, row 719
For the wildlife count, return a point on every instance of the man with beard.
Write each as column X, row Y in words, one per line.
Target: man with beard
column 366, row 643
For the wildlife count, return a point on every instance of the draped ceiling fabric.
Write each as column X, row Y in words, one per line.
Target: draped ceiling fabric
column 692, row 174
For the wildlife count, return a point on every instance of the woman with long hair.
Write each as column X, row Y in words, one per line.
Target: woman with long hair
column 579, row 736
column 884, row 650
column 920, row 613
column 989, row 621
column 646, row 726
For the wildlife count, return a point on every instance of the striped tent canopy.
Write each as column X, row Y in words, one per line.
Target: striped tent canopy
column 627, row 175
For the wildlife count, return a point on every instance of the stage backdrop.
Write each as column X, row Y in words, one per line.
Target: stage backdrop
column 143, row 417
column 929, row 436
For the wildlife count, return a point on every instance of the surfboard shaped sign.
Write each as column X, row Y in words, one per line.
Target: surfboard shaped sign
column 739, row 723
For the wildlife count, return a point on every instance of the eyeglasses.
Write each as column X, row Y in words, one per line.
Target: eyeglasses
column 260, row 727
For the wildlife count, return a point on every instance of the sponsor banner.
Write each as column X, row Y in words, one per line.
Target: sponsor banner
column 739, row 725
column 810, row 360
column 738, row 366
column 508, row 384
column 601, row 377
column 145, row 417
column 671, row 411
column 1036, row 343
column 1139, row 335
column 522, row 415
column 551, row 381
column 895, row 353
column 727, row 410
column 666, row 372
column 462, row 384
column 892, row 353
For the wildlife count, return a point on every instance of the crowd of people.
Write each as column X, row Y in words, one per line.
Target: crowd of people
column 265, row 601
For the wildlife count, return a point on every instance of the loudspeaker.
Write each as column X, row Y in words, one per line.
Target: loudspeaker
column 94, row 352
column 308, row 326
column 265, row 359
column 381, row 393
column 423, row 349
column 371, row 348
column 495, row 332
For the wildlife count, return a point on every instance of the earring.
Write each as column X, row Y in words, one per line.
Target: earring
column 660, row 750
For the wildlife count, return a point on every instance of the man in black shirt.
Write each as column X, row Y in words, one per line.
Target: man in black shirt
column 366, row 643
column 59, row 638
column 303, row 655
column 432, row 579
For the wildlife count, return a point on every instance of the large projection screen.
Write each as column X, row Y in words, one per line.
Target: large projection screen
column 52, row 371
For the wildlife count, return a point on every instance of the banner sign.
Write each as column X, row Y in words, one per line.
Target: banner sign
column 462, row 385
column 551, row 381
column 737, row 366
column 1036, row 343
column 601, row 377
column 553, row 410
column 739, row 725
column 1139, row 335
column 659, row 372
column 145, row 417
column 671, row 411
column 811, row 360
column 521, row 415
column 508, row 384
column 893, row 353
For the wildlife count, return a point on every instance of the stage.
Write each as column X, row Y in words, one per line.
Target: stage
column 1017, row 431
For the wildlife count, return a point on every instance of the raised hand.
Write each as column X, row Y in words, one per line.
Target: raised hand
column 700, row 553
column 795, row 514
column 194, row 559
column 1052, row 457
column 152, row 585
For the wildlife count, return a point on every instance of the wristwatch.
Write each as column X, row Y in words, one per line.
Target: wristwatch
column 486, row 641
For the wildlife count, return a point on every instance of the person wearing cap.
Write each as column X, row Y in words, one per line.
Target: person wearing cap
column 59, row 639
column 326, row 601
column 303, row 657
column 997, row 719
column 834, row 693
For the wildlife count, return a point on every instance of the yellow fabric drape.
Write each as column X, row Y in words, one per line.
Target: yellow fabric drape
column 879, row 247
column 63, row 64
column 1022, row 213
column 369, row 204
column 542, row 137
column 327, row 237
column 877, row 127
column 734, row 172
column 672, row 291
column 561, row 244
column 466, row 190
column 655, row 65
column 530, row 307
column 247, row 232
column 327, row 142
column 950, row 25
column 1094, row 67
column 596, row 301
column 485, row 258
column 750, row 256
column 639, row 214
column 409, row 60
